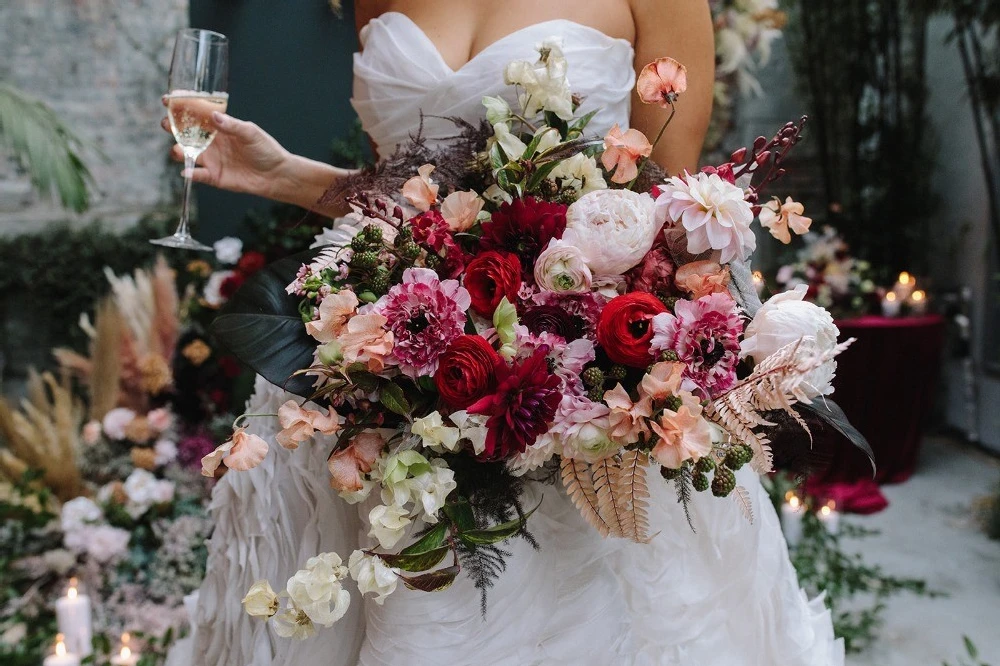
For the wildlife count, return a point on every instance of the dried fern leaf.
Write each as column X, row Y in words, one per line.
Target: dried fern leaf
column 633, row 495
column 742, row 497
column 579, row 483
column 605, row 487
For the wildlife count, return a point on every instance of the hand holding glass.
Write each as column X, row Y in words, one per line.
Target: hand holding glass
column 198, row 77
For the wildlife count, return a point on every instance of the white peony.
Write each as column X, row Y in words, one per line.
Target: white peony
column 434, row 434
column 373, row 575
column 228, row 250
column 614, row 229
column 144, row 490
column 388, row 524
column 562, row 267
column 713, row 213
column 101, row 542
column 316, row 590
column 213, row 289
column 115, row 422
column 166, row 452
column 581, row 173
column 260, row 600
column 544, row 84
column 787, row 318
column 79, row 512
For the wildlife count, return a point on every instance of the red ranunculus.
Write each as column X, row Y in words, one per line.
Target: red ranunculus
column 490, row 277
column 625, row 329
column 231, row 285
column 251, row 262
column 466, row 371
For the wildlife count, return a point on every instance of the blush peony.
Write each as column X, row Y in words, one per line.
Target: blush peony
column 614, row 229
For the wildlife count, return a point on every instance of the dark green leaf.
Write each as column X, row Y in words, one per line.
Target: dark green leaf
column 461, row 514
column 540, row 174
column 365, row 381
column 831, row 412
column 416, row 562
column 434, row 581
column 497, row 157
column 582, row 122
column 429, row 541
column 393, row 398
column 497, row 533
column 261, row 326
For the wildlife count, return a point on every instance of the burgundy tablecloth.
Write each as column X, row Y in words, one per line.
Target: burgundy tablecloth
column 886, row 384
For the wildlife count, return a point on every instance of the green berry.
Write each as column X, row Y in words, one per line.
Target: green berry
column 433, row 260
column 596, row 394
column 724, row 482
column 670, row 355
column 673, row 403
column 373, row 234
column 738, row 456
column 366, row 259
column 404, row 236
column 704, row 465
column 593, row 377
column 380, row 284
column 700, row 482
column 617, row 373
column 410, row 250
column 359, row 243
column 669, row 473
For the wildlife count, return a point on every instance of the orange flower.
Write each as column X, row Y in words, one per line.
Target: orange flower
column 197, row 352
column 347, row 465
column 460, row 209
column 300, row 424
column 628, row 420
column 662, row 381
column 365, row 340
column 684, row 434
column 420, row 190
column 778, row 217
column 622, row 151
column 334, row 312
column 661, row 81
column 143, row 457
column 241, row 453
column 701, row 278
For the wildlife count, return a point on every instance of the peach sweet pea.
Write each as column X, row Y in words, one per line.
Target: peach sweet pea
column 779, row 217
column 661, row 81
column 460, row 210
column 300, row 424
column 365, row 340
column 628, row 420
column 662, row 381
column 420, row 190
column 241, row 453
column 347, row 465
column 683, row 434
column 334, row 312
column 701, row 278
column 622, row 152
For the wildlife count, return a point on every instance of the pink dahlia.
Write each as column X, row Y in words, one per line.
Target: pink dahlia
column 424, row 314
column 520, row 409
column 705, row 334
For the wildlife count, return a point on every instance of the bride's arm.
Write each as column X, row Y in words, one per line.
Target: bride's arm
column 681, row 29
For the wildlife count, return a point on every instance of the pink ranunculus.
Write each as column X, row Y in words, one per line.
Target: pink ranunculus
column 347, row 465
column 779, row 217
column 683, row 435
column 366, row 340
column 581, row 427
column 661, row 81
column 701, row 278
column 622, row 152
column 334, row 312
column 562, row 267
column 160, row 419
column 460, row 209
column 628, row 420
column 662, row 381
column 299, row 424
column 241, row 453
column 420, row 190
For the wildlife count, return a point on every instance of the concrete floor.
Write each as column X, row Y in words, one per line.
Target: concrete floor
column 928, row 532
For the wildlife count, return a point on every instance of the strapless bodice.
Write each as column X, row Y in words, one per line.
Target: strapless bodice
column 400, row 74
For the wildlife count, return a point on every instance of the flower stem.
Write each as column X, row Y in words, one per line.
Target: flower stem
column 659, row 135
column 241, row 417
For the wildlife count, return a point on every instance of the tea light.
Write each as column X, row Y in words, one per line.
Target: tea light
column 61, row 656
column 125, row 657
column 904, row 286
column 73, row 620
column 918, row 302
column 758, row 282
column 891, row 305
column 792, row 512
column 829, row 516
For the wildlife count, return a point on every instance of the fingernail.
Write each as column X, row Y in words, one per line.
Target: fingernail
column 186, row 173
column 219, row 118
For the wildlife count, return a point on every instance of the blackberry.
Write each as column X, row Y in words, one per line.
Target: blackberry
column 738, row 456
column 410, row 250
column 593, row 377
column 670, row 355
column 704, row 465
column 700, row 482
column 366, row 259
column 373, row 234
column 359, row 243
column 724, row 482
column 404, row 236
column 617, row 373
column 596, row 394
column 380, row 284
column 669, row 473
column 433, row 260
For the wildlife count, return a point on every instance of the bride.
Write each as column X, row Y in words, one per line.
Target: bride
column 726, row 595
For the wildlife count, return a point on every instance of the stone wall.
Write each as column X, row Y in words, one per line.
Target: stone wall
column 102, row 66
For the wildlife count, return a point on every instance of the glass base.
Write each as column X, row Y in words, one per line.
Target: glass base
column 181, row 242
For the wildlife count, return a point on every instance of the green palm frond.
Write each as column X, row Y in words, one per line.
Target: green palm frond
column 45, row 147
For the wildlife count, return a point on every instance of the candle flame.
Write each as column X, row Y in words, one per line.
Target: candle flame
column 126, row 652
column 758, row 277
column 72, row 591
column 60, row 645
column 891, row 296
column 918, row 296
column 126, row 637
column 794, row 502
column 905, row 278
column 832, row 505
column 826, row 511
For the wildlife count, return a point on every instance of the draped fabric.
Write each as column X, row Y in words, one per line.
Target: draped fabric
column 724, row 595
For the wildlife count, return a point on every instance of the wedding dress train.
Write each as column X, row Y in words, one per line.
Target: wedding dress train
column 724, row 595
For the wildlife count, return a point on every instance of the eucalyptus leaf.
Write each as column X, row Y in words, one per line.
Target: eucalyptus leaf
column 417, row 561
column 434, row 581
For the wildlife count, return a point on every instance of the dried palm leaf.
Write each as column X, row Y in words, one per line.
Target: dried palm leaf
column 166, row 324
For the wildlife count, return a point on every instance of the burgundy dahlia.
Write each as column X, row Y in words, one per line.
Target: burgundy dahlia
column 524, row 227
column 540, row 319
column 521, row 408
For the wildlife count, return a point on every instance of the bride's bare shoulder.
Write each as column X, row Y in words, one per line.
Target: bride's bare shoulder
column 366, row 10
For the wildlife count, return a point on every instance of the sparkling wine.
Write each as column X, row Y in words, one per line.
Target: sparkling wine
column 191, row 117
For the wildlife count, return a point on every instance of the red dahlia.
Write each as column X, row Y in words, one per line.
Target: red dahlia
column 524, row 227
column 521, row 408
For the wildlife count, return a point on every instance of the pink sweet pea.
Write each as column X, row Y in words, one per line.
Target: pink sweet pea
column 420, row 190
column 622, row 152
column 779, row 217
column 347, row 465
column 300, row 424
column 684, row 434
column 241, row 453
column 661, row 81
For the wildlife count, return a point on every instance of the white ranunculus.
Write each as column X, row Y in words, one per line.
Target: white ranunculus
column 228, row 250
column 787, row 318
column 388, row 524
column 562, row 267
column 614, row 229
column 435, row 434
column 115, row 422
column 544, row 84
column 78, row 512
column 429, row 490
column 316, row 589
column 581, row 173
column 373, row 575
column 260, row 600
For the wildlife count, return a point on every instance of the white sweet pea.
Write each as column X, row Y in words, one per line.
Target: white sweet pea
column 316, row 590
column 544, row 84
column 513, row 147
column 290, row 622
column 358, row 496
column 472, row 427
column 434, row 434
column 260, row 600
column 228, row 250
column 497, row 110
column 430, row 489
column 388, row 524
column 373, row 575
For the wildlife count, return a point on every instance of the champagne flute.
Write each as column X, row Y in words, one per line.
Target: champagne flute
column 198, row 77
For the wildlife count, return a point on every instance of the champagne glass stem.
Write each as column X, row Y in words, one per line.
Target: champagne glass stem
column 182, row 227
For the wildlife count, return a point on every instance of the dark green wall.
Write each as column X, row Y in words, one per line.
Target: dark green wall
column 290, row 73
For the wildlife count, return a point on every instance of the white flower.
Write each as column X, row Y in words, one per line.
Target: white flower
column 166, row 452
column 291, row 622
column 786, row 318
column 144, row 490
column 513, row 147
column 79, row 512
column 316, row 590
column 581, row 173
column 373, row 575
column 358, row 496
column 91, row 432
column 712, row 211
column 160, row 419
column 115, row 422
column 260, row 600
column 544, row 83
column 101, row 542
column 14, row 634
column 472, row 427
column 430, row 489
column 562, row 267
column 614, row 229
column 228, row 250
column 435, row 434
column 497, row 110
column 213, row 294
column 59, row 561
column 388, row 524
column 536, row 455
column 582, row 428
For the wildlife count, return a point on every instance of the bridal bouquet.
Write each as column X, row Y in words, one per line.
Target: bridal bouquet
column 529, row 303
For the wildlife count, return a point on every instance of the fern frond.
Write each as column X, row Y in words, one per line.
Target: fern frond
column 685, row 492
column 742, row 497
column 609, row 504
column 633, row 493
column 579, row 483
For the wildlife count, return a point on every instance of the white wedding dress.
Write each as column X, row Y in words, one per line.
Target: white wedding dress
column 726, row 595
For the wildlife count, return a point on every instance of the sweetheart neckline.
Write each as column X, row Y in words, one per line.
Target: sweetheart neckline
column 496, row 43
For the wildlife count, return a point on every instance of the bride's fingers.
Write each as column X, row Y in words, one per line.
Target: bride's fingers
column 165, row 124
column 199, row 175
column 163, row 100
column 234, row 126
column 176, row 154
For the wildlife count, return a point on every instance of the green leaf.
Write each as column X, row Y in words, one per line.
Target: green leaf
column 365, row 381
column 393, row 398
column 497, row 533
column 429, row 541
column 540, row 174
column 418, row 561
column 497, row 157
column 434, row 581
column 970, row 647
column 582, row 122
column 461, row 514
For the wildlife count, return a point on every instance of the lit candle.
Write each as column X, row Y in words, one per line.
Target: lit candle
column 792, row 512
column 125, row 657
column 758, row 282
column 890, row 305
column 904, row 286
column 73, row 619
column 918, row 302
column 829, row 516
column 61, row 656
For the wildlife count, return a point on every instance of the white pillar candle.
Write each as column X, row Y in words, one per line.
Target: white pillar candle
column 61, row 657
column 758, row 282
column 73, row 619
column 830, row 518
column 792, row 512
column 904, row 286
column 918, row 303
column 891, row 305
